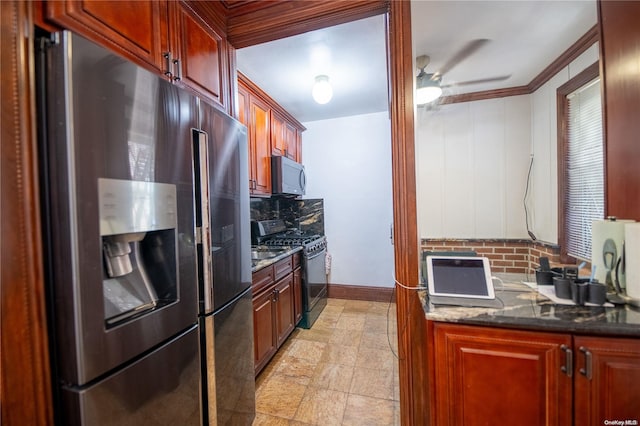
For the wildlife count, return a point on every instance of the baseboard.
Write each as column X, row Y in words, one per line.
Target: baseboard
column 357, row 292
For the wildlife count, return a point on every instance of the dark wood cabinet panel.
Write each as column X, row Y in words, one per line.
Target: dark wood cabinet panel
column 620, row 46
column 133, row 28
column 484, row 374
column 264, row 336
column 284, row 313
column 292, row 141
column 297, row 295
column 259, row 143
column 278, row 141
column 200, row 51
column 607, row 380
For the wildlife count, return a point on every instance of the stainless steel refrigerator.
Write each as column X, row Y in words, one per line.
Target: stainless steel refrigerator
column 132, row 342
column 224, row 244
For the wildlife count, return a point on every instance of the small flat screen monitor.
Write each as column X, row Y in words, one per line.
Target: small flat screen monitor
column 464, row 277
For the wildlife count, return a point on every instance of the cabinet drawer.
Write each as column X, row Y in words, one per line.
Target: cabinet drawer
column 261, row 279
column 282, row 267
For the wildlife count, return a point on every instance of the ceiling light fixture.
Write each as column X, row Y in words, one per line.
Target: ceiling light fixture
column 427, row 88
column 322, row 91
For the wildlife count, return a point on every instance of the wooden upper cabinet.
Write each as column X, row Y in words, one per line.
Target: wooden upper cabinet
column 243, row 105
column 167, row 37
column 259, row 146
column 136, row 29
column 484, row 374
column 292, row 141
column 198, row 53
column 278, row 142
column 607, row 380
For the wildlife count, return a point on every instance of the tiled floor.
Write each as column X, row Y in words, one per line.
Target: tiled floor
column 342, row 371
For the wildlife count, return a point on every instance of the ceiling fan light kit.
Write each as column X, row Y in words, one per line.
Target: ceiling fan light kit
column 322, row 91
column 427, row 88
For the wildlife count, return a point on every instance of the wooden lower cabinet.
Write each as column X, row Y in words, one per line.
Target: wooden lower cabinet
column 284, row 315
column 485, row 376
column 264, row 336
column 490, row 376
column 607, row 380
column 274, row 307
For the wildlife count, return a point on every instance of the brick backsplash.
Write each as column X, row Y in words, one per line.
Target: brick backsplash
column 505, row 255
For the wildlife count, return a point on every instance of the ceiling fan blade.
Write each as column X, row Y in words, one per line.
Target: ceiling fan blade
column 462, row 54
column 479, row 81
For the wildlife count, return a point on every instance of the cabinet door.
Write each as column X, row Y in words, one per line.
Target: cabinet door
column 199, row 53
column 297, row 295
column 259, row 136
column 291, row 138
column 484, row 376
column 278, row 142
column 264, row 338
column 137, row 29
column 607, row 380
column 284, row 309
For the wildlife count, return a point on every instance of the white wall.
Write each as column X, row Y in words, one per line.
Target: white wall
column 471, row 161
column 544, row 138
column 348, row 164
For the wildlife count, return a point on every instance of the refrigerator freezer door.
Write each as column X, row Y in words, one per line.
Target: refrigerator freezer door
column 234, row 372
column 159, row 389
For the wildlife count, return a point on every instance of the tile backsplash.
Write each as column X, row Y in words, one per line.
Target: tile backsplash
column 306, row 215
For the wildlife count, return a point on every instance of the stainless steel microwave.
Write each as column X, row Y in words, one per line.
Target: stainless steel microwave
column 287, row 176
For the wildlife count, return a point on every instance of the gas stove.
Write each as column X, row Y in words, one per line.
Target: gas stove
column 274, row 233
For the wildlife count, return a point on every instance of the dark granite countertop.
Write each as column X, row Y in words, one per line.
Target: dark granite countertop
column 279, row 254
column 525, row 308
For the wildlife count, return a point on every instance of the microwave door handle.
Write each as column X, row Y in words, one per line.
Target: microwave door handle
column 303, row 180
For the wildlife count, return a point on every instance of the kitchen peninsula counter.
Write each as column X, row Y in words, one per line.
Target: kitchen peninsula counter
column 530, row 360
column 524, row 308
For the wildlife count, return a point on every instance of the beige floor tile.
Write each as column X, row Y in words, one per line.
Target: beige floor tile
column 366, row 411
column 279, row 398
column 357, row 306
column 375, row 340
column 340, row 354
column 322, row 407
column 332, row 376
column 336, row 302
column 267, row 420
column 376, row 323
column 375, row 359
column 346, row 337
column 297, row 370
column 316, row 334
column 307, row 349
column 351, row 321
column 372, row 382
column 341, row 371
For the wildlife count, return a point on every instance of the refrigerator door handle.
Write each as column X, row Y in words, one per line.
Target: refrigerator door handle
column 205, row 234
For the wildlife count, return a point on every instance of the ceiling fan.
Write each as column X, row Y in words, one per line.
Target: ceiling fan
column 428, row 85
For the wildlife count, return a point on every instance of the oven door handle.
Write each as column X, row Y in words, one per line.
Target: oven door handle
column 313, row 256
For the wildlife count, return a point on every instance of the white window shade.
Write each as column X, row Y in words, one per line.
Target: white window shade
column 584, row 191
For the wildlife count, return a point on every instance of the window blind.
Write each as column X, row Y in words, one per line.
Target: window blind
column 584, row 191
